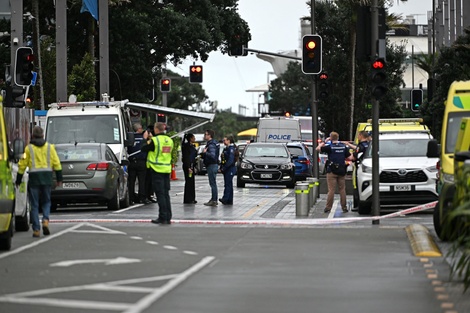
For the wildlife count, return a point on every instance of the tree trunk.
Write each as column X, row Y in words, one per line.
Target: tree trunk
column 353, row 78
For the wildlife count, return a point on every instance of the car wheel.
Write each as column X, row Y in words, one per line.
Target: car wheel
column 364, row 208
column 443, row 207
column 240, row 184
column 22, row 222
column 126, row 201
column 5, row 239
column 113, row 203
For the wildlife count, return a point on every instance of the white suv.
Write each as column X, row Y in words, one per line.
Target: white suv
column 407, row 176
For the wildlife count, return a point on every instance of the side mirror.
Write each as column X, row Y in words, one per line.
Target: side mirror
column 18, row 149
column 129, row 142
column 433, row 149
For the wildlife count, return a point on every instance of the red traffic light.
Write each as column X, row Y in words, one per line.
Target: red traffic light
column 165, row 81
column 311, row 54
column 165, row 84
column 323, row 76
column 378, row 64
column 196, row 69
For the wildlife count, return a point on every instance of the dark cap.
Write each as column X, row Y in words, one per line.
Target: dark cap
column 38, row 132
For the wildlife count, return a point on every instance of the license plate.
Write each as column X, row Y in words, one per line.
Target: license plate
column 266, row 175
column 70, row 185
column 402, row 188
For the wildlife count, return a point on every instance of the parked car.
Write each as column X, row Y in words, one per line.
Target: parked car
column 266, row 163
column 91, row 174
column 322, row 157
column 302, row 158
column 199, row 167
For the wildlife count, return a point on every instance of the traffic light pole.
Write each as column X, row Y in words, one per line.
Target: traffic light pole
column 314, row 107
column 375, row 119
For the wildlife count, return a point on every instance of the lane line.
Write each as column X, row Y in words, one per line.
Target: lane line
column 333, row 209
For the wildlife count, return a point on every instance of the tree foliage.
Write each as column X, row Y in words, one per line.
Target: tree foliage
column 292, row 91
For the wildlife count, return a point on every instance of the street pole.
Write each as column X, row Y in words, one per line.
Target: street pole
column 375, row 119
column 314, row 107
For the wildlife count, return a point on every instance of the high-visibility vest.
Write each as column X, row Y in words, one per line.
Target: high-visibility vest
column 160, row 159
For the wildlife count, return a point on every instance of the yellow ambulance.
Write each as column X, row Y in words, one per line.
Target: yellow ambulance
column 454, row 138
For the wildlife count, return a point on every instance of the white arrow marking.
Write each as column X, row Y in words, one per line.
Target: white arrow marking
column 118, row 260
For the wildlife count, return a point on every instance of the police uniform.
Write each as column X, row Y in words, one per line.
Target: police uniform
column 137, row 169
column 337, row 154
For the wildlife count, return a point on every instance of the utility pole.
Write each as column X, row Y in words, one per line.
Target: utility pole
column 104, row 47
column 61, row 50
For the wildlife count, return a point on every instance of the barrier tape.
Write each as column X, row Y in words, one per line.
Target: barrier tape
column 268, row 222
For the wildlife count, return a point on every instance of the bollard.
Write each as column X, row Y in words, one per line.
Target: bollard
column 316, row 189
column 301, row 199
column 311, row 191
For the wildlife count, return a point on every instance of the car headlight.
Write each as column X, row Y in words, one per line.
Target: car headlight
column 366, row 169
column 448, row 178
column 246, row 166
column 431, row 168
column 286, row 166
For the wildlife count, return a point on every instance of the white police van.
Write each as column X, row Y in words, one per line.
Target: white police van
column 278, row 129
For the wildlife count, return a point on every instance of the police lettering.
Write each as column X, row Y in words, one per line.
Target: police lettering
column 279, row 137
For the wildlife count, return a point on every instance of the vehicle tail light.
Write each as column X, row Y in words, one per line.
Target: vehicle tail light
column 306, row 161
column 102, row 166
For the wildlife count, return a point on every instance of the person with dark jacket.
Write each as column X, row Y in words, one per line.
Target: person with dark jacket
column 41, row 159
column 137, row 167
column 336, row 169
column 228, row 168
column 211, row 161
column 189, row 153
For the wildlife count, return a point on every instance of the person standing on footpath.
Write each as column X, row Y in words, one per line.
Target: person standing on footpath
column 159, row 150
column 189, row 153
column 137, row 167
column 211, row 161
column 41, row 158
column 228, row 168
column 336, row 169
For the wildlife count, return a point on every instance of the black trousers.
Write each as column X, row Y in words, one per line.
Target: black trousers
column 137, row 170
column 189, row 187
column 161, row 186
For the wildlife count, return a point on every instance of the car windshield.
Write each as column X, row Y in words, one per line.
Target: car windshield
column 401, row 148
column 78, row 153
column 83, row 128
column 265, row 151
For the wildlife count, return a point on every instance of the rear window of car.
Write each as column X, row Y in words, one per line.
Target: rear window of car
column 295, row 150
column 67, row 154
column 265, row 151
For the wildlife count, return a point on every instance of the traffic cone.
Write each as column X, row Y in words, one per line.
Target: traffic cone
column 173, row 173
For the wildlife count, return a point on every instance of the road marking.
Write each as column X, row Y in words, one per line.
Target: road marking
column 152, row 242
column 115, row 261
column 259, row 206
column 170, row 247
column 136, row 237
column 128, row 208
column 190, row 252
column 333, row 209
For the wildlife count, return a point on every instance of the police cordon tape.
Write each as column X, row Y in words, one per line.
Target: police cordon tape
column 268, row 222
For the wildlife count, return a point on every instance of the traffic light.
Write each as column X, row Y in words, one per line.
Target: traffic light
column 416, row 99
column 15, row 96
column 195, row 74
column 378, row 78
column 165, row 85
column 161, row 118
column 323, row 86
column 236, row 46
column 23, row 66
column 311, row 54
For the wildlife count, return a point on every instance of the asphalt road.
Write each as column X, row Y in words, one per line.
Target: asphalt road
column 101, row 261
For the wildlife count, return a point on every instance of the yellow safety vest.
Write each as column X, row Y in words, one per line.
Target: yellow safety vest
column 160, row 159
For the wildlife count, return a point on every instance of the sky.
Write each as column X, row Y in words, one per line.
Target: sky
column 274, row 27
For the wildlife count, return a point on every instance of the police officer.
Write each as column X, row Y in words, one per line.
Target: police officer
column 228, row 168
column 358, row 154
column 41, row 159
column 159, row 150
column 336, row 169
column 137, row 166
